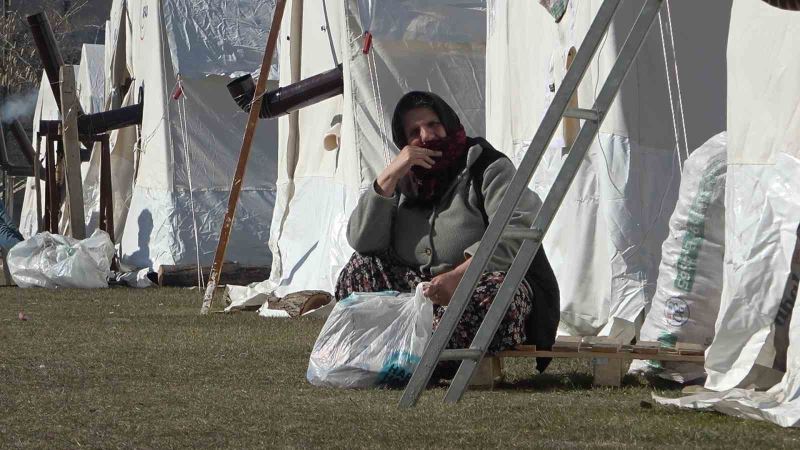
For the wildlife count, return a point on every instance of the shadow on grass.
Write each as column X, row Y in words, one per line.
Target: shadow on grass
column 577, row 381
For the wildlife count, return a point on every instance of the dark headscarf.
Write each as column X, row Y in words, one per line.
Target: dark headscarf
column 432, row 183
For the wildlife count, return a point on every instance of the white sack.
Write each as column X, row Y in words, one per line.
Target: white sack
column 687, row 297
column 780, row 405
column 372, row 339
column 55, row 261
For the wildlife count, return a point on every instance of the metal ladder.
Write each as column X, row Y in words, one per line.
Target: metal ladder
column 498, row 228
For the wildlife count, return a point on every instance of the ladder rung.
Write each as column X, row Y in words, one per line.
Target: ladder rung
column 531, row 234
column 460, row 354
column 583, row 114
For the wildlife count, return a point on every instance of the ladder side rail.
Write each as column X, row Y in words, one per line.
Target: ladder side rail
column 555, row 197
column 519, row 183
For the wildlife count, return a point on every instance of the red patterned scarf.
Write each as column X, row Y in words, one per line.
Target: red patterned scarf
column 432, row 183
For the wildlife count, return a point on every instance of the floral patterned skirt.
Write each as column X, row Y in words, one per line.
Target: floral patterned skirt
column 383, row 273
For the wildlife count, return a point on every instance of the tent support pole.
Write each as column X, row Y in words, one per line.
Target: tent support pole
column 70, row 109
column 244, row 154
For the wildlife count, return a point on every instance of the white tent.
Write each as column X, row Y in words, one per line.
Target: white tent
column 416, row 45
column 172, row 175
column 605, row 243
column 762, row 260
column 758, row 327
column 45, row 109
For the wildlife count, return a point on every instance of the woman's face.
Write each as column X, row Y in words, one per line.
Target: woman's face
column 422, row 125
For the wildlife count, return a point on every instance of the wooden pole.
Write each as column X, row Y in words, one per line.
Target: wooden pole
column 70, row 109
column 106, row 191
column 244, row 154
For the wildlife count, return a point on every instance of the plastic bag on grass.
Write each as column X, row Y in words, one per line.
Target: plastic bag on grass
column 372, row 339
column 53, row 261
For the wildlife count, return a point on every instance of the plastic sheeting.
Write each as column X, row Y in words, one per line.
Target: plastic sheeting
column 685, row 306
column 605, row 241
column 55, row 261
column 762, row 260
column 780, row 404
column 211, row 37
column 371, row 340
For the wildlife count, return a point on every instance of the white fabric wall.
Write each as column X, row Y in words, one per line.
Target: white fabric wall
column 762, row 203
column 199, row 134
column 46, row 109
column 605, row 242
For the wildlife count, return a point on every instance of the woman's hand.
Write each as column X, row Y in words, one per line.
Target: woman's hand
column 443, row 286
column 409, row 157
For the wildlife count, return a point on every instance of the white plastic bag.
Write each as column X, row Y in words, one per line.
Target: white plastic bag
column 685, row 306
column 53, row 261
column 372, row 339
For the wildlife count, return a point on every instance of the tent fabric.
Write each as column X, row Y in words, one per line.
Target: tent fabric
column 762, row 207
column 209, row 37
column 91, row 78
column 317, row 189
column 171, row 176
column 45, row 109
column 177, row 167
column 605, row 241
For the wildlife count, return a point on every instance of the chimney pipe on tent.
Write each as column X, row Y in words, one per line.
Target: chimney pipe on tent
column 293, row 97
column 48, row 51
column 88, row 124
column 22, row 139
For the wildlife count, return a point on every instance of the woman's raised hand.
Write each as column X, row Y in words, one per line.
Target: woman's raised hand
column 409, row 157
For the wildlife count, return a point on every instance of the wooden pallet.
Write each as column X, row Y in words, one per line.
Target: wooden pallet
column 610, row 358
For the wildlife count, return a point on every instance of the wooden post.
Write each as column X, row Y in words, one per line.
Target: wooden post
column 571, row 125
column 106, row 192
column 244, row 154
column 72, row 152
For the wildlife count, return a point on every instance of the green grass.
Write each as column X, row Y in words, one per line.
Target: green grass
column 141, row 369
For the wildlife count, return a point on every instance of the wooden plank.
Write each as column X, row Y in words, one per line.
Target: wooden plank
column 601, row 344
column 567, row 344
column 590, row 354
column 232, row 273
column 685, row 348
column 70, row 108
column 647, row 348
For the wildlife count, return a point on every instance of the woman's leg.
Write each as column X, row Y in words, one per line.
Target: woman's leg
column 512, row 329
column 371, row 273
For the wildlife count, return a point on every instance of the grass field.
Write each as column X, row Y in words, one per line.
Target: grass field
column 141, row 369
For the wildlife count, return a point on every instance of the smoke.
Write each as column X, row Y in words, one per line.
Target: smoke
column 19, row 106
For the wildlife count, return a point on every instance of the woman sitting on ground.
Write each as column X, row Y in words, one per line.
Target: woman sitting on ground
column 424, row 218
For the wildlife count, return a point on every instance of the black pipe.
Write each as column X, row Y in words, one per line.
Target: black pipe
column 103, row 122
column 791, row 5
column 88, row 124
column 22, row 139
column 290, row 98
column 50, row 127
column 48, row 51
